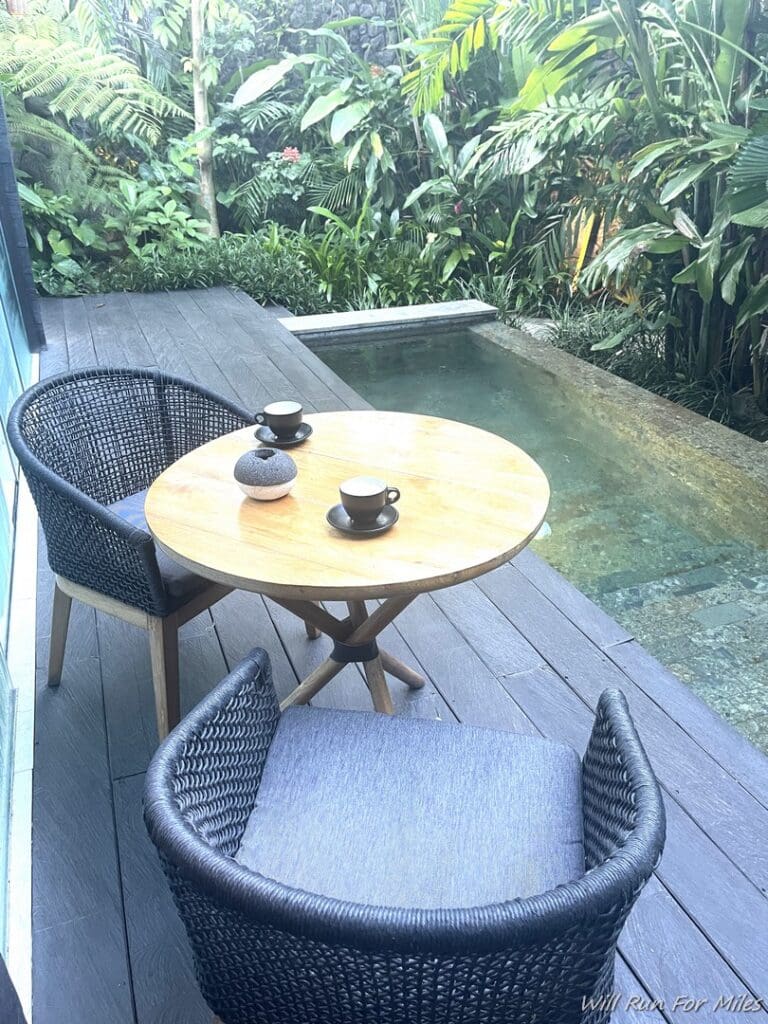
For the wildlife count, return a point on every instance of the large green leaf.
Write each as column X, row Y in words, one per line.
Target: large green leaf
column 418, row 192
column 755, row 303
column 267, row 78
column 436, row 138
column 756, row 217
column 323, row 106
column 685, row 226
column 668, row 244
column 353, row 153
column 347, row 118
column 29, row 196
column 706, row 265
column 683, row 180
column 467, row 151
column 646, row 157
column 602, row 24
column 615, row 339
column 731, row 269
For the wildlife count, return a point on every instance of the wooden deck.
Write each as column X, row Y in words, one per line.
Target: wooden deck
column 519, row 649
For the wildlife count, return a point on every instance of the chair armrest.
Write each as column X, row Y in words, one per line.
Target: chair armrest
column 203, row 780
column 623, row 808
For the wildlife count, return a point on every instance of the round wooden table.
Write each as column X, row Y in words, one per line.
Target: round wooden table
column 469, row 501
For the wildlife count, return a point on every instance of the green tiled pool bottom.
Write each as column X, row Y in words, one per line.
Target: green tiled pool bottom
column 654, row 554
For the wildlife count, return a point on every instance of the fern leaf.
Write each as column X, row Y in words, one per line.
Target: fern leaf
column 77, row 81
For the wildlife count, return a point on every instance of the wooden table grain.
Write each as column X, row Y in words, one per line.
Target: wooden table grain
column 470, row 501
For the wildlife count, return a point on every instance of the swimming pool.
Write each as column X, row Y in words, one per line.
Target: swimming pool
column 655, row 553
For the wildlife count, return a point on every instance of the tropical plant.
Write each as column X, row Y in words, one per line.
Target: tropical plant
column 349, row 111
column 63, row 245
column 275, row 189
column 635, row 136
column 269, row 265
column 52, row 81
column 151, row 220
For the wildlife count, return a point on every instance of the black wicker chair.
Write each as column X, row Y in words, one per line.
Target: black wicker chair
column 90, row 444
column 267, row 952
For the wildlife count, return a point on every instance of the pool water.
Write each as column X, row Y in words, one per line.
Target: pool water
column 655, row 556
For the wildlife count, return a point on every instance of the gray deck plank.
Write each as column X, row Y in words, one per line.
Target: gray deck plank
column 242, row 622
column 519, row 649
column 80, row 347
column 56, row 357
column 459, row 674
column 271, row 380
column 602, row 630
column 346, row 394
column 721, row 806
column 117, row 336
column 128, row 693
column 214, row 355
column 80, row 959
column 164, row 982
column 726, row 745
column 222, row 358
column 165, row 334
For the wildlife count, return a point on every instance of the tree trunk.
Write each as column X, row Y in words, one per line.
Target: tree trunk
column 18, row 7
column 202, row 122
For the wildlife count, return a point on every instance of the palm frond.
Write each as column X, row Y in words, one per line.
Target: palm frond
column 337, row 193
column 467, row 27
column 265, row 113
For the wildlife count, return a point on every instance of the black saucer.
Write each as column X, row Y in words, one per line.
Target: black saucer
column 337, row 517
column 265, row 435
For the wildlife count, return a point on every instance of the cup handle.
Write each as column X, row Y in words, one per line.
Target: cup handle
column 260, row 417
column 393, row 495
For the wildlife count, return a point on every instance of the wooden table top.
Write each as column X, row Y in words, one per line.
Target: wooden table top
column 470, row 501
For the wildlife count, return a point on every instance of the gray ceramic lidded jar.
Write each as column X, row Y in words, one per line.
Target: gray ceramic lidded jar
column 265, row 473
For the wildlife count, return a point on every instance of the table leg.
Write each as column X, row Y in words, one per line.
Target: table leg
column 313, row 633
column 373, row 669
column 359, row 630
column 401, row 671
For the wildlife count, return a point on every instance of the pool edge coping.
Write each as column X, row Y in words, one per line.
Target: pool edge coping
column 334, row 326
column 722, row 454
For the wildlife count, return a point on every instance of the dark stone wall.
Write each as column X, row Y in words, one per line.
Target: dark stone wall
column 369, row 40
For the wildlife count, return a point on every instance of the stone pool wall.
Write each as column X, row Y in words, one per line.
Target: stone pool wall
column 728, row 468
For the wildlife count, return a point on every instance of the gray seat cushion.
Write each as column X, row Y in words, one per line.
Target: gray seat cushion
column 404, row 812
column 181, row 584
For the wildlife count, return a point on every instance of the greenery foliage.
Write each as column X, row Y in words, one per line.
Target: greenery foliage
column 269, row 265
column 606, row 156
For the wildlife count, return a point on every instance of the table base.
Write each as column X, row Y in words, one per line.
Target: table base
column 354, row 641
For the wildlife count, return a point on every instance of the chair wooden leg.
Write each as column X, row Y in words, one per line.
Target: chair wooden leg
column 62, row 604
column 164, row 648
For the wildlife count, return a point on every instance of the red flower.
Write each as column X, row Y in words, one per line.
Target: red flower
column 376, row 70
column 458, row 207
column 291, row 154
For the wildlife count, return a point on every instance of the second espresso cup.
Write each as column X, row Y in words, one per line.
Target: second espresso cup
column 282, row 418
column 363, row 497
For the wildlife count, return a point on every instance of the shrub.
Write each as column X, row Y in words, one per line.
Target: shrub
column 591, row 332
column 268, row 266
